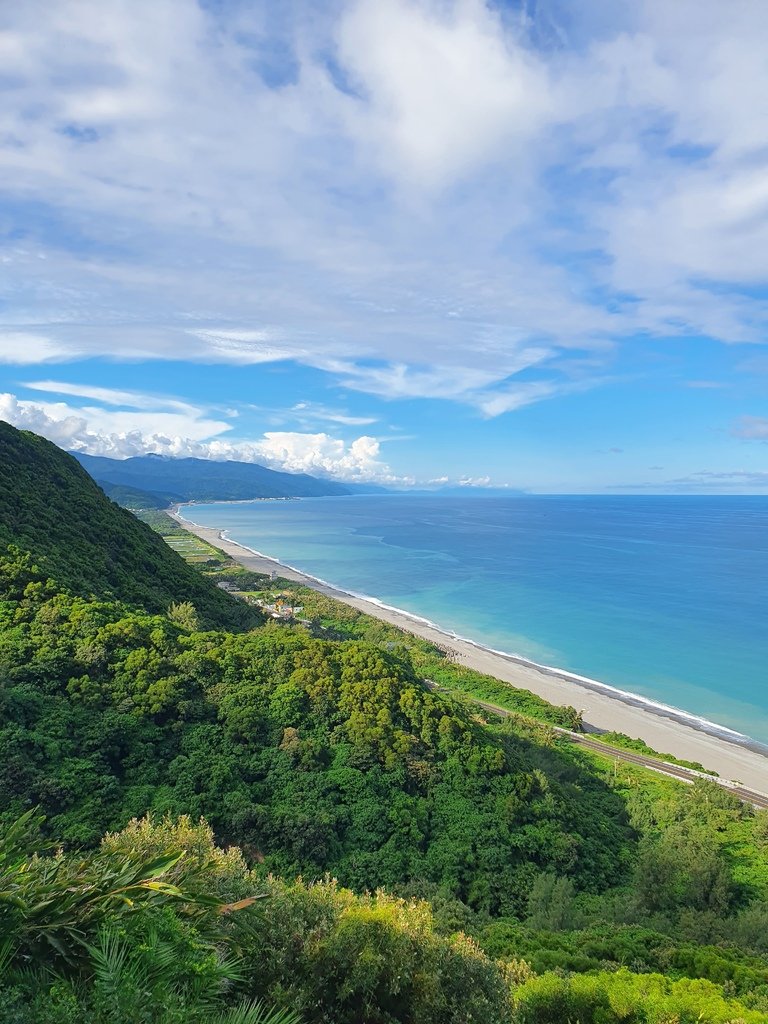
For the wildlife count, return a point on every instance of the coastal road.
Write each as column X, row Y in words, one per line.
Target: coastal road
column 674, row 771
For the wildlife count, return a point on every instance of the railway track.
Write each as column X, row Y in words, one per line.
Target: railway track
column 674, row 771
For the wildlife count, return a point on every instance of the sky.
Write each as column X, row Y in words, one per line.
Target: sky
column 515, row 244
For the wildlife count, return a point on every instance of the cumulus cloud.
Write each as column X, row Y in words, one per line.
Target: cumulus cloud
column 324, row 455
column 116, row 433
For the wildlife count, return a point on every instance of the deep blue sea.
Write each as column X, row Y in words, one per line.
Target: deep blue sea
column 666, row 597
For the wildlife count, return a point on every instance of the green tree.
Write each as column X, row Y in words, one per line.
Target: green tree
column 551, row 903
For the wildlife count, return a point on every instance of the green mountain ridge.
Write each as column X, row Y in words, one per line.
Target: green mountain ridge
column 187, row 479
column 51, row 508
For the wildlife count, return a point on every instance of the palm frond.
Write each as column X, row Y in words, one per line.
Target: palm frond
column 256, row 1012
column 7, row 950
column 109, row 957
column 20, row 839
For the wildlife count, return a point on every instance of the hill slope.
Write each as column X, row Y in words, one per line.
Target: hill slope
column 321, row 752
column 52, row 508
column 132, row 497
column 204, row 480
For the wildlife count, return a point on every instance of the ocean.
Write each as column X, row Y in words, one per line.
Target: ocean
column 662, row 596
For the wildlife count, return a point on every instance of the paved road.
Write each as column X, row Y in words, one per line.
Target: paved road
column 664, row 767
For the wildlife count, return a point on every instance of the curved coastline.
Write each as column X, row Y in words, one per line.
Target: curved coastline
column 739, row 760
column 585, row 683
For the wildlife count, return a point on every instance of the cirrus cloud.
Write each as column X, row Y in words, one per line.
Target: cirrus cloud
column 424, row 199
column 751, row 428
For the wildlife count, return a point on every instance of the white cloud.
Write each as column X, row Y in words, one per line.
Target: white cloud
column 475, row 481
column 86, row 426
column 444, row 88
column 21, row 348
column 67, row 430
column 518, row 395
column 111, row 396
column 753, row 428
column 309, row 411
column 446, row 381
column 324, row 455
column 402, row 381
column 118, row 433
column 427, row 197
column 247, row 347
column 515, row 397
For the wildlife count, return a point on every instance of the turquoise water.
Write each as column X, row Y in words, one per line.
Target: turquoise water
column 662, row 596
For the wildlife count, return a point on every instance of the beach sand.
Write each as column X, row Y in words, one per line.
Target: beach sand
column 603, row 709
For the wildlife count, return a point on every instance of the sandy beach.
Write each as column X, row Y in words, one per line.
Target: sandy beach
column 603, row 708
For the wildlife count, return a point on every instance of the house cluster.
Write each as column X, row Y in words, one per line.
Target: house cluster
column 280, row 608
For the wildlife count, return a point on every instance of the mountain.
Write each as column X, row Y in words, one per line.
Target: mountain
column 171, row 480
column 52, row 508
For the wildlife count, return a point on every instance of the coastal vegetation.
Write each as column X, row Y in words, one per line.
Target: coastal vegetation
column 159, row 925
column 620, row 739
column 206, row 821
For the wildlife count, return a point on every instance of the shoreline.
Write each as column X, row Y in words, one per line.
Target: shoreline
column 733, row 755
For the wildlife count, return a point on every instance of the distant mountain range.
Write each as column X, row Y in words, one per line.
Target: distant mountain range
column 155, row 481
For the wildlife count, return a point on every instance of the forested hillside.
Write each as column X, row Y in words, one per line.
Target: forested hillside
column 50, row 507
column 374, row 852
column 318, row 756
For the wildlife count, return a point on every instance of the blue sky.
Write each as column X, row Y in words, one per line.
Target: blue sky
column 393, row 240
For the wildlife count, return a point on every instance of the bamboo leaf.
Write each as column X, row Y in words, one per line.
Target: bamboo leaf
column 160, row 865
column 229, row 908
column 164, row 887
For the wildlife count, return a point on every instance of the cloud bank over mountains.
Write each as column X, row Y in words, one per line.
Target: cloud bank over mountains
column 122, row 434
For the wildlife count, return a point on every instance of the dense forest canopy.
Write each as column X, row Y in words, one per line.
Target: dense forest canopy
column 372, row 851
column 316, row 755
